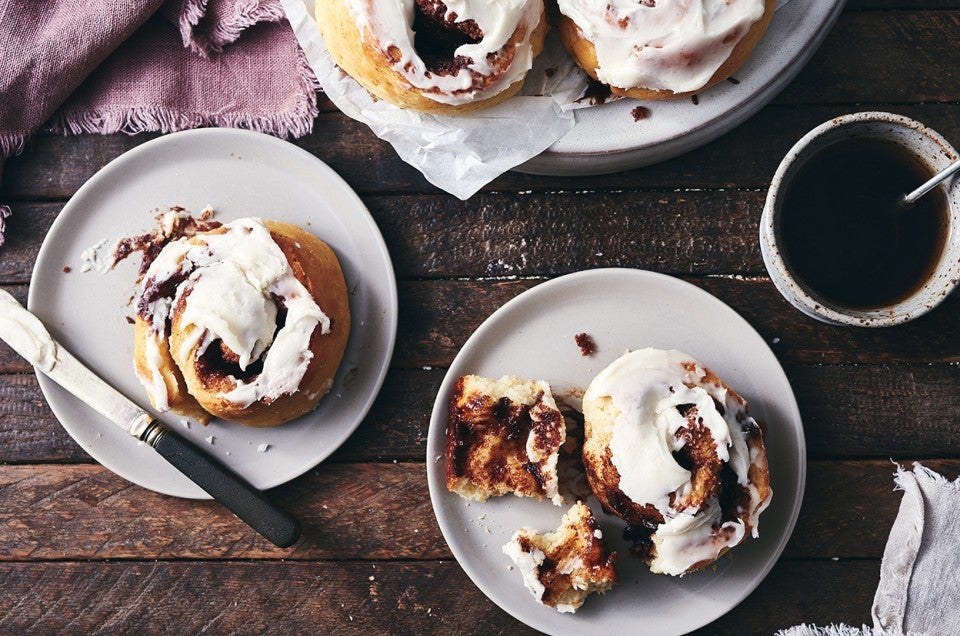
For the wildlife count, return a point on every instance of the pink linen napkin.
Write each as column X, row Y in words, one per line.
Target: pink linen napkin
column 144, row 65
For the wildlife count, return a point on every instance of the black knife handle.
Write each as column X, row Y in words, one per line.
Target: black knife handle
column 221, row 483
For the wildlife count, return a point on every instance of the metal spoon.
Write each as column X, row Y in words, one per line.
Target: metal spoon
column 945, row 174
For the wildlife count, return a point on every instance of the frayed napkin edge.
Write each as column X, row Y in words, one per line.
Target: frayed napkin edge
column 295, row 122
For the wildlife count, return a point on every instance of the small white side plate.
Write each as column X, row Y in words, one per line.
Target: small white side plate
column 238, row 173
column 533, row 336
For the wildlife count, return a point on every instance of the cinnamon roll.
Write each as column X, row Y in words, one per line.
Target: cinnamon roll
column 246, row 322
column 659, row 49
column 435, row 56
column 671, row 449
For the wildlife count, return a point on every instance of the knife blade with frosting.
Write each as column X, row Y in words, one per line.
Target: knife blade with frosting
column 24, row 332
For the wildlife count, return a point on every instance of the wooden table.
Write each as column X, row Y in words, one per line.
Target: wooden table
column 83, row 550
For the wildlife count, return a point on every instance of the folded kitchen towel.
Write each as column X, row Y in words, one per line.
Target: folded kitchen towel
column 144, row 65
column 920, row 571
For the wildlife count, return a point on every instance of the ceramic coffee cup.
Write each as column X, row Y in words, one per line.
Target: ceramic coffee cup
column 932, row 151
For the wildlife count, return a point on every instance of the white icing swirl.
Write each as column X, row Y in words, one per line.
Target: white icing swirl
column 229, row 283
column 646, row 387
column 391, row 25
column 674, row 45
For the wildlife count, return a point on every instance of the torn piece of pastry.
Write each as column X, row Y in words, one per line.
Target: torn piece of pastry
column 436, row 56
column 661, row 49
column 671, row 449
column 246, row 322
column 503, row 436
column 562, row 568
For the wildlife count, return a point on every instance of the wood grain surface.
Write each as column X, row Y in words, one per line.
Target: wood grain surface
column 84, row 551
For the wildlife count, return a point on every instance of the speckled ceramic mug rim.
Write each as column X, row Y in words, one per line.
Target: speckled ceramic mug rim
column 924, row 143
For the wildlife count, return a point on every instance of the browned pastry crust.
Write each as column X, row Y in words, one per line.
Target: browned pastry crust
column 492, row 425
column 361, row 57
column 193, row 389
column 585, row 55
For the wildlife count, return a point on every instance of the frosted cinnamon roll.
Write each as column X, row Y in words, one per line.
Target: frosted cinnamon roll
column 435, row 56
column 658, row 49
column 247, row 322
column 672, row 450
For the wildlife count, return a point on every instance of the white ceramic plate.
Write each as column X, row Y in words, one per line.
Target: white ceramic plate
column 238, row 173
column 533, row 336
column 607, row 138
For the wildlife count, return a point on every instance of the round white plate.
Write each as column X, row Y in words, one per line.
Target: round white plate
column 607, row 138
column 238, row 173
column 533, row 336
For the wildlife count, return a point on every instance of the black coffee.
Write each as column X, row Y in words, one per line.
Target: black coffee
column 843, row 236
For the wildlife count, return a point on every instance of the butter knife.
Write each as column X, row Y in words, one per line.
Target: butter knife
column 29, row 338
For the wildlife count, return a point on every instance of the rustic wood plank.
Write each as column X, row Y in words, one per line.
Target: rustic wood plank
column 355, row 598
column 699, row 232
column 25, row 229
column 438, row 316
column 357, row 511
column 910, row 5
column 243, row 598
column 363, row 511
column 846, row 413
column 54, row 167
column 396, row 427
column 804, row 592
column 920, row 47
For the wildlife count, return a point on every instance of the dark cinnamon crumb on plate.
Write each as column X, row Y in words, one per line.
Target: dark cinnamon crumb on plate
column 66, row 269
column 640, row 112
column 587, row 346
column 733, row 80
column 695, row 99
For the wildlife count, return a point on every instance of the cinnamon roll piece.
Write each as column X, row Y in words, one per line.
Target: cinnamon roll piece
column 503, row 436
column 246, row 322
column 661, row 49
column 671, row 449
column 435, row 56
column 562, row 568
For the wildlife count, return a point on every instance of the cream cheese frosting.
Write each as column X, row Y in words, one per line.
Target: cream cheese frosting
column 528, row 561
column 646, row 387
column 228, row 284
column 674, row 45
column 391, row 26
column 26, row 334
